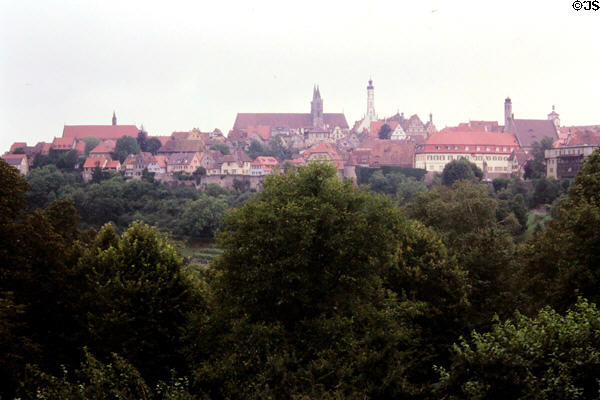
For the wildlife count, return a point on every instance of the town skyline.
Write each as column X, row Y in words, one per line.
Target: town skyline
column 165, row 68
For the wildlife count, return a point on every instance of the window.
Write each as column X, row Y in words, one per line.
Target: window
column 455, row 147
column 478, row 148
column 487, row 149
column 504, row 149
column 467, row 148
column 497, row 149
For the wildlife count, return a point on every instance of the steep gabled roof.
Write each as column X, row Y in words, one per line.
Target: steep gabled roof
column 292, row 120
column 528, row 131
column 100, row 131
column 106, row 146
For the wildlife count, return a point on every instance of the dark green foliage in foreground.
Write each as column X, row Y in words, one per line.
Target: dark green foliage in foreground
column 461, row 170
column 550, row 356
column 465, row 217
column 300, row 306
column 564, row 261
column 138, row 297
column 322, row 290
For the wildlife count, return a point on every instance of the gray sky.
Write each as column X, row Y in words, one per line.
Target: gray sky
column 173, row 65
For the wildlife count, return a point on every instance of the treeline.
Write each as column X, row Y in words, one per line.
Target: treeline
column 184, row 212
column 322, row 291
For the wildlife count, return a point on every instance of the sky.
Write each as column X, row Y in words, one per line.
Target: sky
column 177, row 65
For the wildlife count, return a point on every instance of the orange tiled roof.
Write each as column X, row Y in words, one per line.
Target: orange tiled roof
column 100, row 131
column 92, row 162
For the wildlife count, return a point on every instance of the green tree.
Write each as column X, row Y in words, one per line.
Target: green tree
column 222, row 147
column 536, row 168
column 203, row 217
column 142, row 139
column 125, row 145
column 140, row 299
column 326, row 291
column 549, row 356
column 152, row 145
column 465, row 217
column 385, row 132
column 257, row 149
column 296, row 289
column 461, row 169
column 90, row 143
column 563, row 261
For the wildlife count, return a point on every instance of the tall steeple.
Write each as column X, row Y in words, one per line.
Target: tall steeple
column 508, row 115
column 371, row 116
column 316, row 108
column 114, row 119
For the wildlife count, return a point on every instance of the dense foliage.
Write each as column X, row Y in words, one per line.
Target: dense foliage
column 319, row 289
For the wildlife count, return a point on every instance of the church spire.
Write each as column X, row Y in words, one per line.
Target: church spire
column 316, row 108
column 114, row 119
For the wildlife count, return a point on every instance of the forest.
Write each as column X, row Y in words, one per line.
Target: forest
column 395, row 289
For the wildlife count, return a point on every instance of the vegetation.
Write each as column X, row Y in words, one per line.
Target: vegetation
column 385, row 132
column 313, row 289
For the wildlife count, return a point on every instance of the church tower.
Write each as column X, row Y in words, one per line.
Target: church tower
column 371, row 116
column 555, row 118
column 316, row 109
column 114, row 119
column 508, row 115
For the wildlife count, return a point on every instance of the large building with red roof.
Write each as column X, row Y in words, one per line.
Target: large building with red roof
column 489, row 151
column 102, row 132
column 529, row 131
column 263, row 123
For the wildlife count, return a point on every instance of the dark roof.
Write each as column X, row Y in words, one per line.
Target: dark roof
column 180, row 158
column 528, row 131
column 182, row 146
column 291, row 120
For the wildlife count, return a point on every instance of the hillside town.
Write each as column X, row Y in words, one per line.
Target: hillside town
column 260, row 143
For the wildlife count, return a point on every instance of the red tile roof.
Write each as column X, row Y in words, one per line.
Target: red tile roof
column 107, row 146
column 162, row 139
column 93, row 162
column 380, row 152
column 180, row 135
column 265, row 161
column 263, row 131
column 291, row 120
column 376, row 126
column 100, row 131
column 182, row 146
column 528, row 131
column 475, row 126
column 586, row 137
column 328, row 148
column 63, row 143
column 161, row 161
column 17, row 145
column 14, row 159
column 113, row 164
column 455, row 142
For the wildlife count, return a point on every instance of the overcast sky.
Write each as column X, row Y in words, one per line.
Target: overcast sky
column 172, row 65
